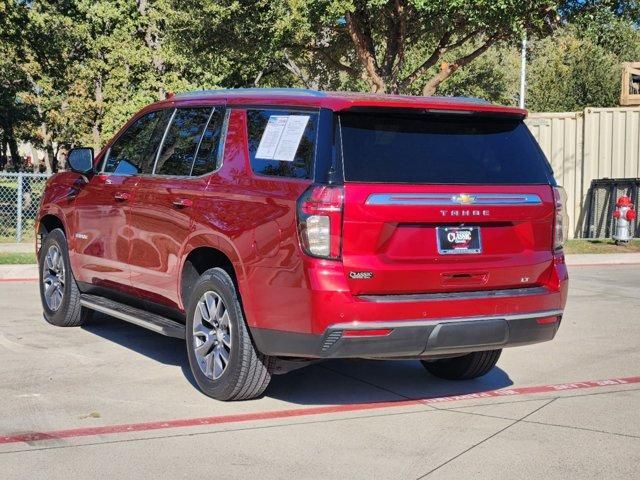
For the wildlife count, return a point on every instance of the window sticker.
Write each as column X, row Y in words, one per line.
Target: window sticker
column 281, row 137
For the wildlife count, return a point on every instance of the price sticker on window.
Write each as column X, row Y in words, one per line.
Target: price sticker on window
column 281, row 137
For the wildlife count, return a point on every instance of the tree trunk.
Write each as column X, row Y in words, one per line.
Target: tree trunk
column 51, row 153
column 13, row 149
column 97, row 120
column 363, row 42
column 154, row 43
column 431, row 87
column 46, row 138
column 448, row 69
column 3, row 152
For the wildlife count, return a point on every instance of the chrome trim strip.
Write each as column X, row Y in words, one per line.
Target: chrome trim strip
column 475, row 294
column 222, row 142
column 434, row 321
column 453, row 199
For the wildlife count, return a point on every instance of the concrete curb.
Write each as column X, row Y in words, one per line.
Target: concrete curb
column 19, row 272
column 589, row 259
column 26, row 247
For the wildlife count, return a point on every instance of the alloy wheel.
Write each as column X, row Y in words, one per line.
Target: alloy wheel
column 212, row 335
column 53, row 278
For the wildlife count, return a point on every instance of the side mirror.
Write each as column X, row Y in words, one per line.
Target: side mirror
column 80, row 160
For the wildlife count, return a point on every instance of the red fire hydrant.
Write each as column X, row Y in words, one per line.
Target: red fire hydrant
column 624, row 215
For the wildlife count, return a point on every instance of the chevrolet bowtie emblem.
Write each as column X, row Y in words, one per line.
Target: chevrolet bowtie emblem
column 464, row 199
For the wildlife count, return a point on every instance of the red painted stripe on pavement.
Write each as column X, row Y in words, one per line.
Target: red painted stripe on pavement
column 302, row 412
column 603, row 264
column 19, row 279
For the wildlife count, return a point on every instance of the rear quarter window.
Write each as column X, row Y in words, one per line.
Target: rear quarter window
column 440, row 149
column 282, row 143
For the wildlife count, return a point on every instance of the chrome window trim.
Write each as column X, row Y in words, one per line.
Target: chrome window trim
column 223, row 140
column 453, row 199
column 220, row 155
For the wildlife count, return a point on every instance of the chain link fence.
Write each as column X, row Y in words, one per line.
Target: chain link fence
column 20, row 195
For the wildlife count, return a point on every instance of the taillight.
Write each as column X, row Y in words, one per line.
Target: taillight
column 561, row 224
column 320, row 221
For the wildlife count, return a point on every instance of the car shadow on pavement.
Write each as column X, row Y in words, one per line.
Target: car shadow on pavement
column 332, row 382
column 165, row 350
column 349, row 381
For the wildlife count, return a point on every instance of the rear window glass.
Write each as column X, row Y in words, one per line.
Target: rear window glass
column 282, row 143
column 422, row 148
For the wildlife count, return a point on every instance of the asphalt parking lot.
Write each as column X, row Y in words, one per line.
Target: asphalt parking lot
column 116, row 401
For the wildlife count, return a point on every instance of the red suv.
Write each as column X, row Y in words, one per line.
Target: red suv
column 272, row 228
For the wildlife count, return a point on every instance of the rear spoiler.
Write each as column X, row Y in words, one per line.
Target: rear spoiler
column 478, row 109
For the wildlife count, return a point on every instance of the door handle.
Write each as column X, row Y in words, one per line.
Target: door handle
column 121, row 196
column 182, row 202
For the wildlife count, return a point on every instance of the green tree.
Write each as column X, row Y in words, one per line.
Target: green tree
column 580, row 66
column 13, row 80
column 568, row 73
column 615, row 32
column 495, row 76
column 382, row 45
column 90, row 64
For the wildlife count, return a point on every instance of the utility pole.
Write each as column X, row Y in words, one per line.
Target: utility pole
column 523, row 71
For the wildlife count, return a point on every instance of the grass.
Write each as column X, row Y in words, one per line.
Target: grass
column 600, row 246
column 7, row 258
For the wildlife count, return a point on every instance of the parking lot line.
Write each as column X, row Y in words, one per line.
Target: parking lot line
column 301, row 412
column 625, row 264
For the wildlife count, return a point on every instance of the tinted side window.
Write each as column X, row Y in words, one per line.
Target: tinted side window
column 135, row 150
column 282, row 143
column 207, row 157
column 182, row 139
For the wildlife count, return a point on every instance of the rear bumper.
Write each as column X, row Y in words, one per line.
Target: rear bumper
column 318, row 321
column 413, row 338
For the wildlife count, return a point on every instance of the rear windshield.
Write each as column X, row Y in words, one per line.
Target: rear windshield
column 430, row 148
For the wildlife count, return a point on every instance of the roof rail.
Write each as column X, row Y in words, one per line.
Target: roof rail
column 251, row 91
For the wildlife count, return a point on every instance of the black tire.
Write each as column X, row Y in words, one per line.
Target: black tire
column 69, row 312
column 472, row 365
column 247, row 372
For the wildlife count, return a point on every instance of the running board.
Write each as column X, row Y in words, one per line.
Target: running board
column 137, row 316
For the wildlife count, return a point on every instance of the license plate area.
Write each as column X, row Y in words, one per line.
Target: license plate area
column 458, row 240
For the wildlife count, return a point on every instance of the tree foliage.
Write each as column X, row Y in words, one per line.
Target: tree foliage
column 568, row 73
column 84, row 67
column 580, row 65
column 390, row 46
column 73, row 71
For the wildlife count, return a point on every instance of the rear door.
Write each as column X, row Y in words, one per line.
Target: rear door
column 443, row 203
column 161, row 215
